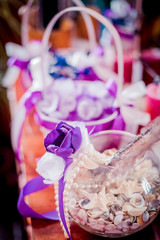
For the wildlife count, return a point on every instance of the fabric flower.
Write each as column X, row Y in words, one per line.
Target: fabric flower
column 85, row 144
column 51, row 167
column 64, row 140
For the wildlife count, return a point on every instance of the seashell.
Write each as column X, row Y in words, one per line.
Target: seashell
column 110, row 227
column 115, row 208
column 102, row 199
column 106, row 214
column 155, row 203
column 111, row 216
column 140, row 220
column 126, row 207
column 132, row 219
column 127, row 188
column 127, row 223
column 101, row 221
column 121, row 199
column 83, row 216
column 134, row 226
column 89, row 164
column 136, row 211
column 118, row 219
column 125, row 229
column 119, row 213
column 110, row 152
column 84, row 202
column 96, row 226
column 92, row 204
column 119, row 226
column 120, row 202
column 94, row 213
column 110, row 198
column 137, row 200
column 90, row 201
column 74, row 211
column 145, row 217
column 152, row 197
column 72, row 203
column 91, row 220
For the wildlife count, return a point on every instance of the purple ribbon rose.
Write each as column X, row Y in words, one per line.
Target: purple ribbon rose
column 64, row 140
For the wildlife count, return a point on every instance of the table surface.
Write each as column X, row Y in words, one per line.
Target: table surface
column 43, row 201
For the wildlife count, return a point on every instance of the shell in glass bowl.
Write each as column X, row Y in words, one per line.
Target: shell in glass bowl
column 113, row 205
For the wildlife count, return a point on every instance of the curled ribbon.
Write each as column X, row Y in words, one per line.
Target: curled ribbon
column 32, row 186
column 131, row 113
column 20, row 57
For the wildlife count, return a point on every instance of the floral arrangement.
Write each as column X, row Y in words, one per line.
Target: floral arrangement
column 60, row 144
column 72, row 100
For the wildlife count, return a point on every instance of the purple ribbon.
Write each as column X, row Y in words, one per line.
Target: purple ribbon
column 118, row 122
column 111, row 86
column 88, row 74
column 32, row 99
column 32, row 186
column 13, row 61
column 60, row 196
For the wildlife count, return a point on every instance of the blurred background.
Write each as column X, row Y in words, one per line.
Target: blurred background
column 146, row 26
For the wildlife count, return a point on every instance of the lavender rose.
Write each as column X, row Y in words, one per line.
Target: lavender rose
column 64, row 140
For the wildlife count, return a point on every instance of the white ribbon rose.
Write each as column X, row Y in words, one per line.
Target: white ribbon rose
column 50, row 167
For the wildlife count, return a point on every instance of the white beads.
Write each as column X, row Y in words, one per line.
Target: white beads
column 96, row 156
column 56, row 196
column 70, row 181
column 75, row 185
column 68, row 186
column 65, row 200
column 77, row 169
column 74, row 176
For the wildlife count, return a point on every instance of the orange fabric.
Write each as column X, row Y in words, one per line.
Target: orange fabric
column 19, row 87
column 33, row 148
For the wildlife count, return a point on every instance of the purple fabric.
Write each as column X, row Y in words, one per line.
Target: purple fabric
column 32, row 186
column 99, row 51
column 47, row 124
column 64, row 140
column 111, row 86
column 88, row 74
column 60, row 196
column 118, row 123
column 32, row 99
column 12, row 61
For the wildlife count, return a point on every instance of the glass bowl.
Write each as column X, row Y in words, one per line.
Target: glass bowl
column 113, row 205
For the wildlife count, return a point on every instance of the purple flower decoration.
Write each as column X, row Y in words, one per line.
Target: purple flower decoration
column 64, row 140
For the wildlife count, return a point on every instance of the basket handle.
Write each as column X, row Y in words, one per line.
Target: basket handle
column 102, row 20
column 87, row 19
